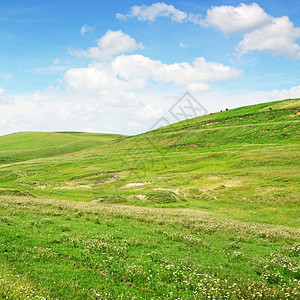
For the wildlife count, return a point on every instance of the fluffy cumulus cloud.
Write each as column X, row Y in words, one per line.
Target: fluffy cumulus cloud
column 239, row 19
column 151, row 12
column 278, row 37
column 262, row 31
column 131, row 72
column 112, row 43
column 193, row 76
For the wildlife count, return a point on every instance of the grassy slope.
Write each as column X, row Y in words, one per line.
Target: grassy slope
column 31, row 145
column 241, row 165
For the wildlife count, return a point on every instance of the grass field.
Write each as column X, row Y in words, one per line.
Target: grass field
column 206, row 208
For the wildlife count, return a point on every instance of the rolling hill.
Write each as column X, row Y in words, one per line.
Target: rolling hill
column 210, row 205
column 241, row 156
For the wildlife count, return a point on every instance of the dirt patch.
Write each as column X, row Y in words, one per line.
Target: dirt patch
column 109, row 179
column 133, row 184
column 207, row 144
column 71, row 187
column 232, row 183
column 214, row 177
column 41, row 187
column 209, row 124
column 77, row 184
column 141, row 197
column 220, row 185
column 191, row 146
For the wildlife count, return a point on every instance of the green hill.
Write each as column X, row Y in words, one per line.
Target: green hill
column 210, row 205
column 31, row 145
column 244, row 156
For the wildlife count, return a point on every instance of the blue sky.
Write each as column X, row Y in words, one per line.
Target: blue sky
column 118, row 66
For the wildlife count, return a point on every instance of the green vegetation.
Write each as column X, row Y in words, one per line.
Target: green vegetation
column 204, row 208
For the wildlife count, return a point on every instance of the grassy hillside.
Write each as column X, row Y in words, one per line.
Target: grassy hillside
column 238, row 164
column 207, row 206
column 31, row 145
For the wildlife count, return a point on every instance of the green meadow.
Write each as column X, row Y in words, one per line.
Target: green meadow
column 206, row 208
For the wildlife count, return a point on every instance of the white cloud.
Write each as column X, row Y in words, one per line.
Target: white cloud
column 150, row 13
column 228, row 19
column 133, row 67
column 98, row 77
column 111, row 44
column 57, row 109
column 292, row 93
column 262, row 31
column 278, row 37
column 2, row 91
column 195, row 19
column 85, row 28
column 121, row 16
column 149, row 112
column 198, row 87
column 182, row 45
column 132, row 72
column 240, row 19
column 19, row 115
